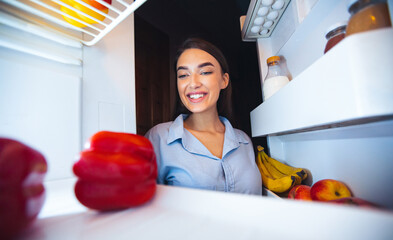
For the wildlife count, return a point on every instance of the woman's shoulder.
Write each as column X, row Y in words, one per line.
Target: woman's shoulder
column 163, row 130
column 240, row 134
column 160, row 129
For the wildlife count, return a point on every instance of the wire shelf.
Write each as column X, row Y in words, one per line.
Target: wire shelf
column 72, row 21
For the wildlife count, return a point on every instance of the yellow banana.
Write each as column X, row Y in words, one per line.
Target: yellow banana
column 278, row 169
column 285, row 169
column 276, row 172
column 272, row 170
column 278, row 185
column 262, row 168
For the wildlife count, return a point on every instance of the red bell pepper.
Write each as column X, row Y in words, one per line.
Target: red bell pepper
column 117, row 171
column 22, row 193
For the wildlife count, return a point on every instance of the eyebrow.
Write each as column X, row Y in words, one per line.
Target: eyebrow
column 199, row 66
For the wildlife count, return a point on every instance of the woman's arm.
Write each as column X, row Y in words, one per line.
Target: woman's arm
column 155, row 139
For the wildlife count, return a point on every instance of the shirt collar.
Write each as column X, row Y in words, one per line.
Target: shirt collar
column 232, row 137
column 176, row 130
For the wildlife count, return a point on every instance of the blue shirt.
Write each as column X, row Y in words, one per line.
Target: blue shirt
column 184, row 161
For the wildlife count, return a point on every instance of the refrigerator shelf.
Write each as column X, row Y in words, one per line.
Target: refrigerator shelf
column 350, row 85
column 185, row 213
column 45, row 18
column 271, row 194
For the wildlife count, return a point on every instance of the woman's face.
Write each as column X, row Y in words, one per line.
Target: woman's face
column 199, row 80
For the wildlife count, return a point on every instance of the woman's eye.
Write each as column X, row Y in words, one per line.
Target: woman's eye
column 206, row 73
column 182, row 76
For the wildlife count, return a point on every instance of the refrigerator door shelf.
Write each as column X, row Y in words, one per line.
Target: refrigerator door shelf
column 349, row 85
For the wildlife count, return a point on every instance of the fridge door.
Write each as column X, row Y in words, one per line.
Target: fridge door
column 334, row 117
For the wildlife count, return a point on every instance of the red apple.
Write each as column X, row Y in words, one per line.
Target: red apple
column 354, row 201
column 98, row 5
column 329, row 189
column 300, row 192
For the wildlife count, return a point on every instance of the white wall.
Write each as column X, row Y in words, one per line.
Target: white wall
column 55, row 107
column 109, row 82
column 40, row 100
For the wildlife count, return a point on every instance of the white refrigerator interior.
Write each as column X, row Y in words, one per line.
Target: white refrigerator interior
column 55, row 96
column 334, row 118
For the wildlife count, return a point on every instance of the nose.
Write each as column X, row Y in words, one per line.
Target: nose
column 195, row 81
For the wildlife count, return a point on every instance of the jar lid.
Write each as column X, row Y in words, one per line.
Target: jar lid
column 339, row 25
column 350, row 3
column 355, row 5
column 272, row 59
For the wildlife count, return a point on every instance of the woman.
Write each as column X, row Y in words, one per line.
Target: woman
column 201, row 149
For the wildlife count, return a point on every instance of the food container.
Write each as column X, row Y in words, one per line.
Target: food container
column 334, row 35
column 276, row 77
column 367, row 15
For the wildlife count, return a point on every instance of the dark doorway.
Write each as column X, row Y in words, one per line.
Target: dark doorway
column 217, row 21
column 151, row 75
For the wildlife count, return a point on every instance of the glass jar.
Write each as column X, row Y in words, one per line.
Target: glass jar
column 367, row 15
column 275, row 79
column 334, row 35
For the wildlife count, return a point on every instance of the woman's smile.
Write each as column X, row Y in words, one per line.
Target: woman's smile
column 196, row 96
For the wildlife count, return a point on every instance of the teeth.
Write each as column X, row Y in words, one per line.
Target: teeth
column 195, row 96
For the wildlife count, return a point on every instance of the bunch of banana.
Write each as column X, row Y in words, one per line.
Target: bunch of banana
column 277, row 176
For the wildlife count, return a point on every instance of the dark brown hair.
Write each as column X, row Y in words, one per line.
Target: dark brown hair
column 224, row 103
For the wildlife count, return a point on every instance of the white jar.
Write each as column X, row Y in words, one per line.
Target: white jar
column 275, row 79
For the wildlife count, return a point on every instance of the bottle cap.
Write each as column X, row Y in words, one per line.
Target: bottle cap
column 272, row 59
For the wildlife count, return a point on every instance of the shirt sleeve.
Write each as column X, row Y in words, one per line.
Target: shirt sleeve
column 254, row 174
column 154, row 138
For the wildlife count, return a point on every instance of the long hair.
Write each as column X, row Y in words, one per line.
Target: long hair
column 224, row 103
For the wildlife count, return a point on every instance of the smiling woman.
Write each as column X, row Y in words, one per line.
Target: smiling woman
column 224, row 102
column 199, row 82
column 200, row 148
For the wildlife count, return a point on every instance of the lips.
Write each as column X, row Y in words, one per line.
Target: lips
column 196, row 96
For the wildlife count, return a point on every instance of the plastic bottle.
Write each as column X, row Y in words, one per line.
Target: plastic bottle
column 275, row 79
